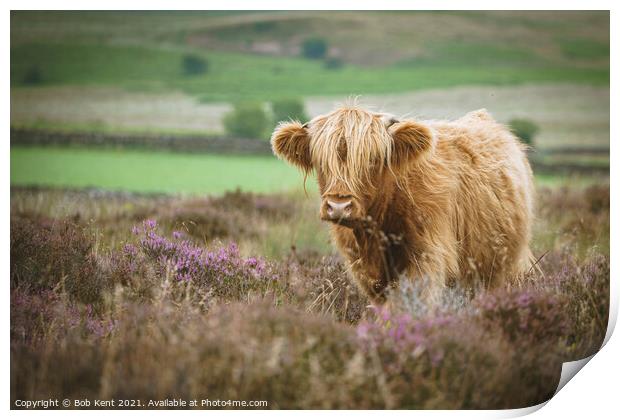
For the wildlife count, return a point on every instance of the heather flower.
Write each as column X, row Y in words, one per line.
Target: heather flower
column 101, row 328
column 45, row 252
column 150, row 224
column 523, row 314
column 402, row 334
column 33, row 313
column 130, row 249
column 223, row 268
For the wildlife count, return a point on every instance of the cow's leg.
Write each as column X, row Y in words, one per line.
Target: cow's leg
column 370, row 279
column 430, row 274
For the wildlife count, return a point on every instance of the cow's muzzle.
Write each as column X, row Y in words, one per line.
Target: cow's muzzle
column 340, row 209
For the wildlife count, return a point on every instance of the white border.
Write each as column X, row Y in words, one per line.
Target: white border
column 313, row 5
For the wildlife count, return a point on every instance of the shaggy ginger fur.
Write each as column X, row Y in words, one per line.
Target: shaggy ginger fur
column 441, row 201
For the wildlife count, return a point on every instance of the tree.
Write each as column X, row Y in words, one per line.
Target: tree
column 247, row 119
column 333, row 63
column 314, row 48
column 526, row 130
column 194, row 65
column 288, row 109
column 33, row 76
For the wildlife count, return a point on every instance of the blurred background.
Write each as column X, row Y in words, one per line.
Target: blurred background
column 184, row 102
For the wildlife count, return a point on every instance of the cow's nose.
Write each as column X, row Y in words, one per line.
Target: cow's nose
column 339, row 210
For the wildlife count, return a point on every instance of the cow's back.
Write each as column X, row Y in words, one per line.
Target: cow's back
column 492, row 196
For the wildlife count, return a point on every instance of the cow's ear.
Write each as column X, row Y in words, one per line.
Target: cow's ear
column 412, row 141
column 291, row 141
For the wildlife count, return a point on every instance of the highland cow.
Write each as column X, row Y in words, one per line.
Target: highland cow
column 447, row 202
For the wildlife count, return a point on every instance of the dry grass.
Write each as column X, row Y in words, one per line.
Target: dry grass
column 183, row 313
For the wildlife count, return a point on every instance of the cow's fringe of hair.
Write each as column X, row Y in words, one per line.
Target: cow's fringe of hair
column 368, row 146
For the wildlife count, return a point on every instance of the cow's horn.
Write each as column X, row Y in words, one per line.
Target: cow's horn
column 389, row 119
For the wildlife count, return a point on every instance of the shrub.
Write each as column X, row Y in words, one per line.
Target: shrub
column 264, row 26
column 333, row 63
column 250, row 205
column 33, row 76
column 526, row 130
column 587, row 308
column 224, row 217
column 288, row 109
column 222, row 272
column 48, row 254
column 34, row 314
column 294, row 331
column 247, row 119
column 245, row 351
column 194, row 65
column 442, row 355
column 524, row 314
column 314, row 48
column 329, row 290
column 202, row 220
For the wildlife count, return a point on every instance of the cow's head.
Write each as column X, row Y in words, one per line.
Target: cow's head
column 354, row 153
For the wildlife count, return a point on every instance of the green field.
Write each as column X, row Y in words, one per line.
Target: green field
column 233, row 76
column 160, row 172
column 146, row 171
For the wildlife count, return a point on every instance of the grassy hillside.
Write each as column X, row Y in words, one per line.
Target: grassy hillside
column 364, row 38
column 257, row 55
